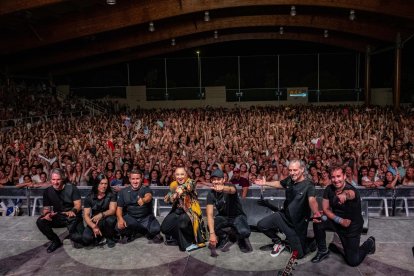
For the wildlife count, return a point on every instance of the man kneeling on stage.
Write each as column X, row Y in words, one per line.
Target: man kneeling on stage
column 342, row 206
column 230, row 215
column 294, row 218
column 134, row 211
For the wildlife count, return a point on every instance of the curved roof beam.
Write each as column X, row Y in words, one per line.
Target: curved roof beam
column 187, row 28
column 131, row 13
column 191, row 43
column 11, row 6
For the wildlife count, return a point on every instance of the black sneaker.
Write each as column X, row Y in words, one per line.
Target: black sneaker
column 110, row 243
column 244, row 245
column 277, row 249
column 53, row 246
column 320, row 256
column 170, row 241
column 226, row 246
column 373, row 247
column 130, row 238
column 222, row 241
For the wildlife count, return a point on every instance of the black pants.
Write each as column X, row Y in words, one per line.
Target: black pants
column 238, row 223
column 147, row 225
column 107, row 227
column 353, row 253
column 277, row 222
column 178, row 225
column 74, row 225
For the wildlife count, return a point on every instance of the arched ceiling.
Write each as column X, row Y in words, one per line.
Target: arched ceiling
column 77, row 34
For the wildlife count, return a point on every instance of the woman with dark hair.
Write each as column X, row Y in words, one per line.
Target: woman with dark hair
column 325, row 179
column 154, row 179
column 92, row 177
column 117, row 183
column 207, row 176
column 125, row 169
column 98, row 213
column 198, row 176
column 391, row 181
column 110, row 166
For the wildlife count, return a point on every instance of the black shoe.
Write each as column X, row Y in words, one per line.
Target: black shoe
column 334, row 248
column 110, row 243
column 157, row 239
column 131, row 238
column 373, row 248
column 244, row 245
column 320, row 256
column 170, row 241
column 222, row 241
column 53, row 246
column 77, row 245
column 226, row 246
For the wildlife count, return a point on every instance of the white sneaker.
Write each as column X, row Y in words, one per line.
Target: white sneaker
column 277, row 249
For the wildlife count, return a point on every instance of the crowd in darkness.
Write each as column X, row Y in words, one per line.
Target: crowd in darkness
column 375, row 145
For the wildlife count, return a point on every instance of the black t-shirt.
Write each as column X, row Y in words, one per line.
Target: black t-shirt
column 227, row 205
column 98, row 205
column 296, row 205
column 351, row 209
column 62, row 201
column 128, row 200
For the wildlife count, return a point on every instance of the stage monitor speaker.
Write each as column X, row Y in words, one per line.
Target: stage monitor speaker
column 255, row 212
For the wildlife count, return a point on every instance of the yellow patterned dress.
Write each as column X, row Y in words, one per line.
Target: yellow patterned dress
column 188, row 201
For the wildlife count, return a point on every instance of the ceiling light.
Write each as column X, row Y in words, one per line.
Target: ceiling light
column 173, row 42
column 206, row 16
column 215, row 34
column 352, row 15
column 111, row 2
column 151, row 27
column 293, row 11
column 281, row 31
column 325, row 34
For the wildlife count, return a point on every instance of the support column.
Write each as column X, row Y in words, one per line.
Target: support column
column 368, row 76
column 397, row 74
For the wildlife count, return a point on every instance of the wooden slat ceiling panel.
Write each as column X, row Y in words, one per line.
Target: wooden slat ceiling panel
column 42, row 33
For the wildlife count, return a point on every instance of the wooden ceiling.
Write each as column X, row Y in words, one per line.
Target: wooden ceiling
column 61, row 36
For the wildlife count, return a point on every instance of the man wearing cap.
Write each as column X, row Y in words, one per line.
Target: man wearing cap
column 395, row 168
column 241, row 181
column 230, row 215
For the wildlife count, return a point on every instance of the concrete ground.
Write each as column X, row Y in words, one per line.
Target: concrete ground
column 23, row 252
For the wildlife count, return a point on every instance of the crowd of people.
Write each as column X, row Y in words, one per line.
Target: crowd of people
column 374, row 145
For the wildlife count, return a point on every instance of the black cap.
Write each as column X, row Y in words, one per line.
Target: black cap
column 217, row 173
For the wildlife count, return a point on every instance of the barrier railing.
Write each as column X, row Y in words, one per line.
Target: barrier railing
column 402, row 199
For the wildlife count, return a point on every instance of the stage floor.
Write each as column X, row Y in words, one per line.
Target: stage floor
column 23, row 252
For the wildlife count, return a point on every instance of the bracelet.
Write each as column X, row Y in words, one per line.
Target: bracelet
column 103, row 215
column 212, row 232
column 74, row 210
column 337, row 219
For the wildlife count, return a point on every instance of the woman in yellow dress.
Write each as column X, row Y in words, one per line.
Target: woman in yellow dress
column 184, row 223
